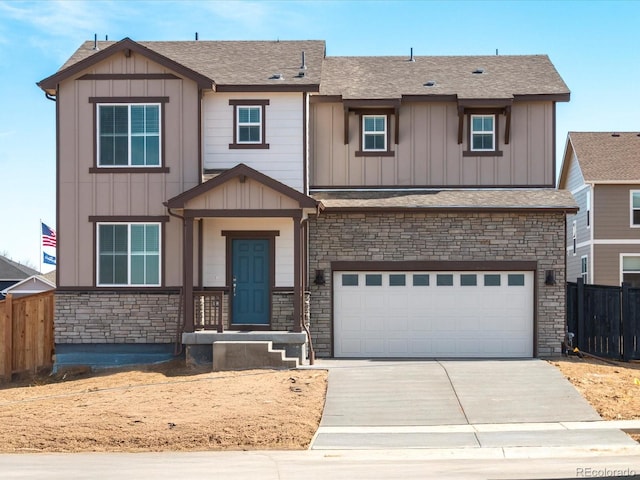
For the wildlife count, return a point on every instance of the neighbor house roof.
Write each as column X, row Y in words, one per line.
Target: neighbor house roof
column 502, row 77
column 10, row 270
column 607, row 156
column 490, row 199
column 32, row 284
column 224, row 63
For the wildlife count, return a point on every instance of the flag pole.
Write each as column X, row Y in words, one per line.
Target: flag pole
column 40, row 241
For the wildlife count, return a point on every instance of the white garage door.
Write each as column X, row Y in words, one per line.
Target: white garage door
column 433, row 314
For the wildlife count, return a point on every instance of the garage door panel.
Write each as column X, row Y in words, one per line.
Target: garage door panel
column 398, row 347
column 447, row 314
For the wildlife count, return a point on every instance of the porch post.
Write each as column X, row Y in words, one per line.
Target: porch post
column 297, row 273
column 187, row 267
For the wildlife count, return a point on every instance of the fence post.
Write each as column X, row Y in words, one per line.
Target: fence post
column 580, row 341
column 627, row 335
column 7, row 339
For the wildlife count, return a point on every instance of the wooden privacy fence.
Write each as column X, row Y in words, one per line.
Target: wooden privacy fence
column 26, row 334
column 605, row 320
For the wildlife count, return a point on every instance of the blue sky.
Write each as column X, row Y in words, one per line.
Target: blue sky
column 594, row 46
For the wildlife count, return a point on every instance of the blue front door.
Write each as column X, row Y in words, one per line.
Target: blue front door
column 250, row 271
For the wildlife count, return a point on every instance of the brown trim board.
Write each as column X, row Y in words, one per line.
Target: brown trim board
column 129, row 76
column 435, row 265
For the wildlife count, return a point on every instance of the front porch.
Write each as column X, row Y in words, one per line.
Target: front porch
column 211, row 324
column 244, row 266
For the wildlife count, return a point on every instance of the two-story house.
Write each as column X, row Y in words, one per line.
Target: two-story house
column 602, row 171
column 391, row 206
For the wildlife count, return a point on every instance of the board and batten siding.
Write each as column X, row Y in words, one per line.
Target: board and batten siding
column 428, row 153
column 284, row 125
column 83, row 194
column 214, row 247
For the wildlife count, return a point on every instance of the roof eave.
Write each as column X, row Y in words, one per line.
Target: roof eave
column 475, row 208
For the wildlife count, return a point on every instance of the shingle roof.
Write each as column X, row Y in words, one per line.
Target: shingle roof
column 391, row 77
column 10, row 270
column 491, row 199
column 234, row 62
column 604, row 157
column 245, row 63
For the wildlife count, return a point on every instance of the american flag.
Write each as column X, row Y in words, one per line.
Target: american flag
column 48, row 236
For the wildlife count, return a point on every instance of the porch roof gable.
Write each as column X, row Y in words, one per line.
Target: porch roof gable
column 242, row 172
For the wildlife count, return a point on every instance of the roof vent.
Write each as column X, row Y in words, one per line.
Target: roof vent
column 615, row 134
column 95, row 41
column 430, row 83
column 276, row 76
column 304, row 62
column 411, row 59
column 301, row 74
column 478, row 71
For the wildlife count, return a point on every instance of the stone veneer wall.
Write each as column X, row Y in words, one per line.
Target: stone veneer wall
column 441, row 237
column 282, row 310
column 113, row 317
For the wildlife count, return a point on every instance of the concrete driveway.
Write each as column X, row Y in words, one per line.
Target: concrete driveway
column 381, row 404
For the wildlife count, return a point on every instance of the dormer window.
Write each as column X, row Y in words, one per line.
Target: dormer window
column 483, row 133
column 374, row 133
column 482, row 130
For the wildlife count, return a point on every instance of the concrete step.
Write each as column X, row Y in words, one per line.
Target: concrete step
column 244, row 355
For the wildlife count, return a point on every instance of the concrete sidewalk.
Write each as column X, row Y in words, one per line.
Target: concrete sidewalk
column 452, row 404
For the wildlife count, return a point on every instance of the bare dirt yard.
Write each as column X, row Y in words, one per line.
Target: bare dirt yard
column 612, row 388
column 169, row 407
column 163, row 407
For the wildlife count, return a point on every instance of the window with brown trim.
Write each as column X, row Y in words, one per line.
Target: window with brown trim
column 249, row 124
column 129, row 134
column 482, row 133
column 375, row 135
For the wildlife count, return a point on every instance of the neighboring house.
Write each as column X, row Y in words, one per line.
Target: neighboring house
column 12, row 272
column 396, row 206
column 602, row 171
column 29, row 286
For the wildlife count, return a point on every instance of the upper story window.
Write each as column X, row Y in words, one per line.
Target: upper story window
column 635, row 208
column 128, row 254
column 129, row 135
column 249, row 124
column 483, row 133
column 374, row 133
column 482, row 130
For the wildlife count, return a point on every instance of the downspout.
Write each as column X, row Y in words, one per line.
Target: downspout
column 312, row 353
column 48, row 96
column 177, row 349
